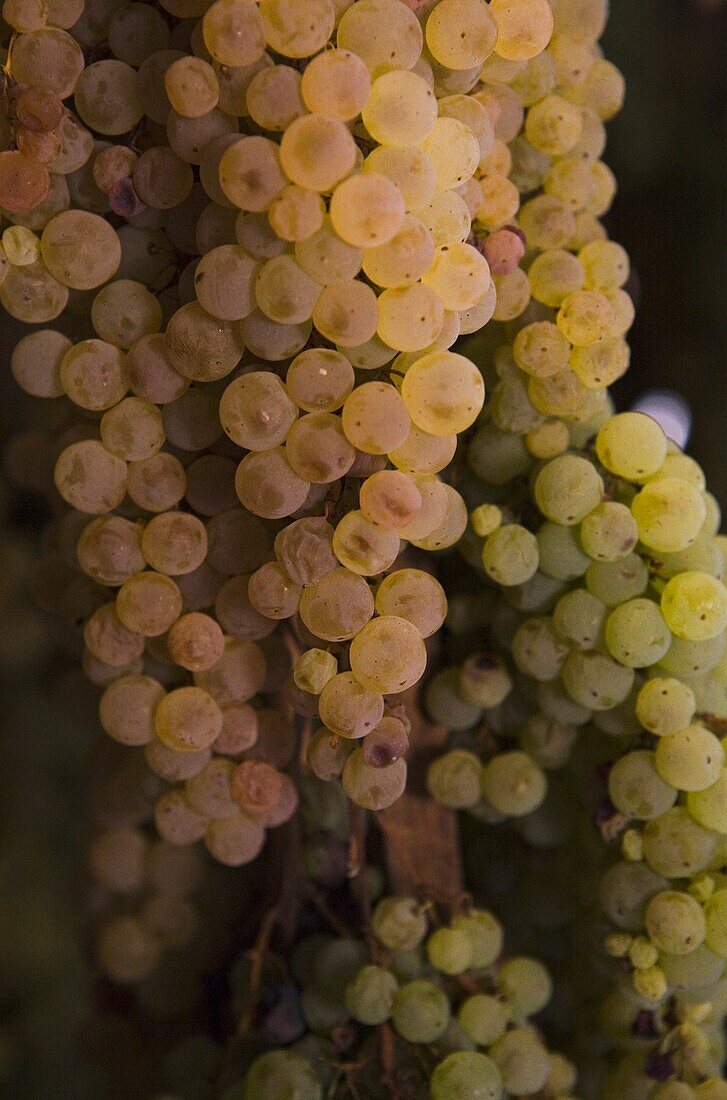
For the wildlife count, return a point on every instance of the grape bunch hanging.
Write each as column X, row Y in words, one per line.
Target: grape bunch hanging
column 409, row 649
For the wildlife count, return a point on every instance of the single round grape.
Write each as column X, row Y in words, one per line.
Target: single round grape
column 401, row 109
column 36, row 360
column 370, row 996
column 268, row 486
column 567, row 489
column 454, row 150
column 127, row 706
column 690, row 760
column 346, row 313
column 316, row 152
column 238, row 675
column 410, row 317
column 522, row 1060
column 708, row 806
column 195, row 642
column 637, row 789
column 675, row 922
column 449, row 950
column 665, row 706
column 410, row 168
column 413, row 595
column 89, row 478
column 132, row 430
column 156, row 484
column 201, row 347
column 527, row 984
column 348, row 709
column 80, row 250
column 371, row 787
column 461, row 36
column 326, row 257
column 510, row 554
column 594, row 680
column 363, row 546
column 296, row 214
column 453, row 779
column 375, row 419
column 256, row 411
column 234, row 32
column 483, row 1019
column 320, row 380
column 513, row 784
column 337, row 606
column 337, row 83
column 383, row 34
column 149, row 603
column 618, row 581
column 388, row 655
column 367, row 209
column 188, row 719
column 636, row 633
column 234, row 840
column 694, row 605
column 421, row 1012
column 609, row 532
column 250, row 173
column 676, row 846
column 174, row 543
column 106, row 97
column 443, row 392
column 272, row 592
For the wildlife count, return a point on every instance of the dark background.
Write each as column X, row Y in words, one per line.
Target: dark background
column 668, row 150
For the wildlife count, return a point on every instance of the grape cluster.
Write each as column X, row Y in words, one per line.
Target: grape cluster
column 446, row 993
column 284, row 247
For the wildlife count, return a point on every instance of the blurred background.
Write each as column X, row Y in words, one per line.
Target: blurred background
column 668, row 150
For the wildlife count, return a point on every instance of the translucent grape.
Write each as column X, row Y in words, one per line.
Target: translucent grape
column 694, row 605
column 388, row 655
column 691, row 759
column 513, row 783
column 637, row 789
column 567, row 489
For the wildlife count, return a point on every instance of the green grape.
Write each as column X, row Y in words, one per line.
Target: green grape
column 636, row 634
column 703, row 556
column 388, row 655
column 670, row 514
column 675, row 922
column 665, row 705
column 399, row 923
column 449, row 950
column 421, row 1012
column 694, row 605
column 709, row 806
column 445, row 706
column 485, row 932
column 513, row 784
column 336, row 964
column 699, row 970
column 689, row 660
column 625, row 890
column 609, row 532
column 631, row 445
column 567, row 489
column 637, row 789
column 618, row 581
column 715, row 914
column 676, row 846
column 510, row 554
column 538, row 650
column 548, row 742
column 690, row 760
column 466, row 1074
column 372, row 787
column 594, row 680
column 453, row 779
column 522, row 1060
column 560, row 552
column 527, row 984
column 281, row 1075
column 483, row 1019
column 578, row 619
column 370, row 995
